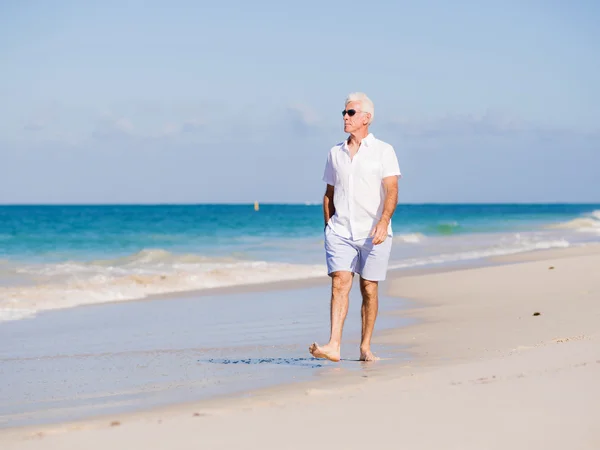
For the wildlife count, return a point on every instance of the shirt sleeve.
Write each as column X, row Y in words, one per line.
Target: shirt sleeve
column 329, row 174
column 390, row 163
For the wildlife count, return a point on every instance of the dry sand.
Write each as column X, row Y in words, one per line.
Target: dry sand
column 486, row 373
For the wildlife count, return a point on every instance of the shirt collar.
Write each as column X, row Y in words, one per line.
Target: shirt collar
column 367, row 141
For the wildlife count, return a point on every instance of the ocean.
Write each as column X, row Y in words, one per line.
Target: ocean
column 55, row 256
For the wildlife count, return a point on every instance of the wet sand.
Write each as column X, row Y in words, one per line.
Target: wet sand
column 115, row 358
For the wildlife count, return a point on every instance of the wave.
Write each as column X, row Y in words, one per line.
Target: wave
column 412, row 238
column 590, row 223
column 149, row 272
column 446, row 228
column 27, row 288
column 480, row 254
column 161, row 257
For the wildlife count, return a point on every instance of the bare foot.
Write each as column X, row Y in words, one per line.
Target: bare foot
column 366, row 355
column 327, row 351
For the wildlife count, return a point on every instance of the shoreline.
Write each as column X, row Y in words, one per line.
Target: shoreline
column 299, row 283
column 421, row 340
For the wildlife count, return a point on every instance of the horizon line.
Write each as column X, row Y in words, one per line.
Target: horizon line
column 294, row 203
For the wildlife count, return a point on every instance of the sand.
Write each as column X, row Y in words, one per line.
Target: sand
column 485, row 372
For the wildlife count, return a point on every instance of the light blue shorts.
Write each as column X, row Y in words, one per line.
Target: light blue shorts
column 362, row 257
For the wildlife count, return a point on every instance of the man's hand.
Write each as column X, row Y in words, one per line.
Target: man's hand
column 380, row 231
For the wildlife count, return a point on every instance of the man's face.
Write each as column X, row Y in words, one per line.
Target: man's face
column 357, row 121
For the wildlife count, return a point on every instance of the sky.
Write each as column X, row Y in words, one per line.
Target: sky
column 185, row 101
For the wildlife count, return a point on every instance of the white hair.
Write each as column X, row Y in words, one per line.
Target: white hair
column 366, row 104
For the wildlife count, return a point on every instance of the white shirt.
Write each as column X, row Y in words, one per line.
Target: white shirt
column 358, row 195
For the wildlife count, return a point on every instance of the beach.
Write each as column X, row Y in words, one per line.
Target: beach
column 496, row 357
column 205, row 243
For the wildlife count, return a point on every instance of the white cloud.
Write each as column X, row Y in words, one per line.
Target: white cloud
column 302, row 120
column 173, row 130
column 303, row 114
column 109, row 127
column 487, row 123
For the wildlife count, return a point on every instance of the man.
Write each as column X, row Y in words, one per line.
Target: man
column 361, row 196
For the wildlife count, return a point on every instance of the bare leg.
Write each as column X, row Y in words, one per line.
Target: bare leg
column 368, row 312
column 341, row 283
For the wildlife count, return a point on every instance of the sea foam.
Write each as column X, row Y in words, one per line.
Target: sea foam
column 411, row 238
column 590, row 223
column 521, row 246
column 145, row 273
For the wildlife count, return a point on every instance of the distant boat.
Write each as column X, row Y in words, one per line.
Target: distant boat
column 256, row 207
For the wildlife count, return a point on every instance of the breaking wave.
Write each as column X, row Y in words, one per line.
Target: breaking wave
column 590, row 223
column 412, row 238
column 480, row 253
column 149, row 272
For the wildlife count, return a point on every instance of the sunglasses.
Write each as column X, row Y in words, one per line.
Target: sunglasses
column 350, row 112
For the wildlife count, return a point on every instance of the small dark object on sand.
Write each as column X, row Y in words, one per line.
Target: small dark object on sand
column 115, row 423
column 551, row 268
column 537, row 313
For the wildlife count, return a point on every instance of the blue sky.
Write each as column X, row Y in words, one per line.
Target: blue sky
column 231, row 101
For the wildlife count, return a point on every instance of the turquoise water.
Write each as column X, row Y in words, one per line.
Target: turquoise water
column 87, row 232
column 61, row 256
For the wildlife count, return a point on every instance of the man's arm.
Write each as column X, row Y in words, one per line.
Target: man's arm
column 328, row 207
column 390, row 187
